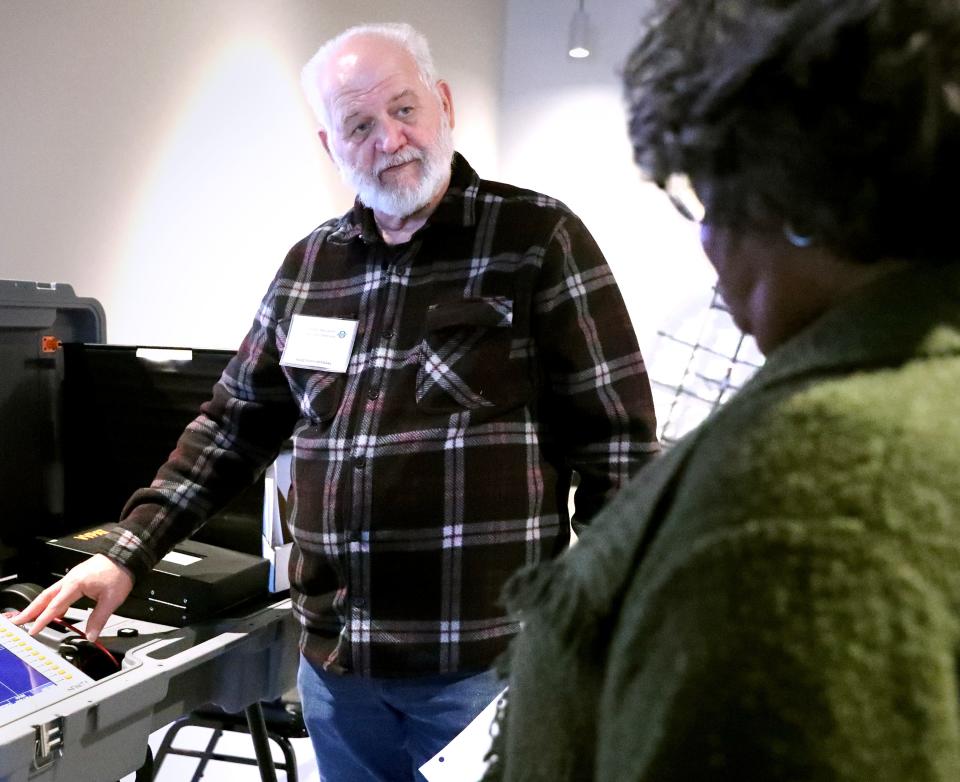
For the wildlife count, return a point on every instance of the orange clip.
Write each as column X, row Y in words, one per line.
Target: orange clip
column 49, row 344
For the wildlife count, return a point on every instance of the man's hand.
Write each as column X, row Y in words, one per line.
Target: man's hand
column 98, row 578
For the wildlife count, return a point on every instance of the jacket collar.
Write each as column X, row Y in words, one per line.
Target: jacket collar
column 903, row 315
column 909, row 313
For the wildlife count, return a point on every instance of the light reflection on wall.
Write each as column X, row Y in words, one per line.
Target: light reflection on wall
column 571, row 142
column 236, row 177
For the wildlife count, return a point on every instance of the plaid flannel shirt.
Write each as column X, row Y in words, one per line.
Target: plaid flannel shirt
column 493, row 356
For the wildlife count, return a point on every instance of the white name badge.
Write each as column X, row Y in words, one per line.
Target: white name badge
column 319, row 343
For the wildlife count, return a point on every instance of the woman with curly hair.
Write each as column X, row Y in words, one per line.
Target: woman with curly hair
column 779, row 597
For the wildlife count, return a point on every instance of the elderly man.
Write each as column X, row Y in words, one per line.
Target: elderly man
column 444, row 356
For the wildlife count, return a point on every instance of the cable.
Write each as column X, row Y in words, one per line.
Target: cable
column 83, row 635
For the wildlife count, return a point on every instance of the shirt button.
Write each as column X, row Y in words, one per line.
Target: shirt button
column 388, row 334
column 374, row 393
column 359, row 462
column 360, row 603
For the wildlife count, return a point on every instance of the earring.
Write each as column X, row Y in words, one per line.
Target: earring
column 795, row 238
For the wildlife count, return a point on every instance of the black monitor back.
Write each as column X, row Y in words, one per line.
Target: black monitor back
column 122, row 414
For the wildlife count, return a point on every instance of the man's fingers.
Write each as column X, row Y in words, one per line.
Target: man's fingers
column 109, row 599
column 105, row 606
column 37, row 605
column 56, row 607
column 98, row 618
column 98, row 578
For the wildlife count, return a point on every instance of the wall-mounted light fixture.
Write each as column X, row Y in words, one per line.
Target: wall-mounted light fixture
column 579, row 34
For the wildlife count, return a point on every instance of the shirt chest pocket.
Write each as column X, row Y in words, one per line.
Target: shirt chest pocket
column 318, row 393
column 467, row 359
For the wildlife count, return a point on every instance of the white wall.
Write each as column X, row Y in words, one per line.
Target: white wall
column 157, row 154
column 563, row 131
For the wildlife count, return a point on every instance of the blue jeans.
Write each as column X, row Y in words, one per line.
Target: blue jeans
column 383, row 730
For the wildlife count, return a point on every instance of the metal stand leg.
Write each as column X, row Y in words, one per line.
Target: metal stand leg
column 261, row 746
column 145, row 772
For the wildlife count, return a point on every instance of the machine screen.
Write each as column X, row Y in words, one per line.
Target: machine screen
column 17, row 679
column 31, row 674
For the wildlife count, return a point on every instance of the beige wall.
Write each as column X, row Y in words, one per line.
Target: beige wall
column 157, row 154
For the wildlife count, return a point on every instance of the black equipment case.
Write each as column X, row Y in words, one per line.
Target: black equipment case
column 59, row 470
column 35, row 318
column 235, row 659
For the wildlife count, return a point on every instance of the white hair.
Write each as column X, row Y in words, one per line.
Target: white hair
column 399, row 32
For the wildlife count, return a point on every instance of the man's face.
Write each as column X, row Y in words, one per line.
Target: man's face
column 390, row 134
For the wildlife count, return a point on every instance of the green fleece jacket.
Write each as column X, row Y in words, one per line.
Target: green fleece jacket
column 778, row 597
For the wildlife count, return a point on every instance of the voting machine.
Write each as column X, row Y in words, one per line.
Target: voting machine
column 202, row 629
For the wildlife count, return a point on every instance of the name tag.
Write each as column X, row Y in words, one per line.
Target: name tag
column 319, row 343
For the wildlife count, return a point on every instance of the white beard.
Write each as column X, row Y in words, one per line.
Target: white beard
column 401, row 201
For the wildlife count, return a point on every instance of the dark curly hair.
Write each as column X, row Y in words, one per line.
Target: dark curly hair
column 839, row 117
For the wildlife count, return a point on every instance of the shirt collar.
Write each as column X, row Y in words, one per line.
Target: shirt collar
column 459, row 204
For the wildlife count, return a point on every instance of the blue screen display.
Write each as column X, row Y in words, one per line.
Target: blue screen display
column 18, row 680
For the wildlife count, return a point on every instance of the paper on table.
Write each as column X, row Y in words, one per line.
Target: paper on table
column 462, row 760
